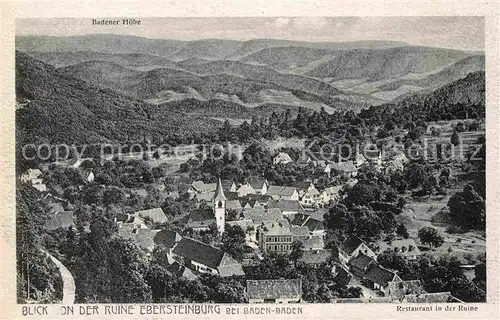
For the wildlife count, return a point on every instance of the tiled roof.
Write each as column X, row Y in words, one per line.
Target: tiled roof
column 274, row 289
column 280, row 228
column 243, row 224
column 286, row 205
column 350, row 244
column 342, row 277
column 299, row 231
column 299, row 219
column 167, row 238
column 257, row 182
column 231, row 270
column 281, row 190
column 156, row 214
column 361, row 261
column 199, row 252
column 379, row 275
column 233, row 205
column 314, row 225
column 262, row 215
column 201, row 218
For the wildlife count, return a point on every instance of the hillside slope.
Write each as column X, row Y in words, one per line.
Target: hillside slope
column 63, row 109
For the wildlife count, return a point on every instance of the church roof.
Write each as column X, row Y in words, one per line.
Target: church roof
column 219, row 192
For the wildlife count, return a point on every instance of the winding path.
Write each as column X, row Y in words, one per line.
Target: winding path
column 68, row 281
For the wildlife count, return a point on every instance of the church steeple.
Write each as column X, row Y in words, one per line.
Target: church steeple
column 219, row 192
column 219, row 206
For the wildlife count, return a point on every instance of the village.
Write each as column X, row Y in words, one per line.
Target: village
column 278, row 219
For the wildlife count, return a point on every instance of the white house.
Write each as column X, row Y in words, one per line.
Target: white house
column 274, row 291
column 282, row 158
column 351, row 248
column 259, row 184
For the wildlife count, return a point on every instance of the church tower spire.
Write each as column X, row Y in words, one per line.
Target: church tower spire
column 219, row 206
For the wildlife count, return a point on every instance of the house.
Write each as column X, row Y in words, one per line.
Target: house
column 274, row 291
column 284, row 193
column 314, row 225
column 304, row 160
column 142, row 237
column 88, row 176
column 40, row 187
column 399, row 289
column 309, row 196
column 261, row 216
column 287, row 207
column 310, row 242
column 330, row 195
column 31, row 174
column 347, row 169
column 259, row 184
column 199, row 187
column 201, row 219
column 360, row 264
column 275, row 236
column 378, row 278
column 393, row 166
column 359, row 160
column 351, row 248
column 259, row 200
column 234, row 205
column 204, row 258
column 406, row 248
column 245, row 189
column 156, row 215
column 282, row 158
column 180, row 270
column 167, row 239
column 228, row 185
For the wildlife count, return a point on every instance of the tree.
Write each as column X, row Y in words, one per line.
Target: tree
column 233, row 240
column 297, row 250
column 430, row 236
column 455, row 139
column 402, row 231
column 468, row 208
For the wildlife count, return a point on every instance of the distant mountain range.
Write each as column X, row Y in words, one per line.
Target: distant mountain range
column 149, row 79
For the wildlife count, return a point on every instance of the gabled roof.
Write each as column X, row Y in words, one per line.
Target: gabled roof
column 244, row 224
column 257, row 182
column 286, row 205
column 343, row 277
column 281, row 190
column 156, row 214
column 233, row 205
column 274, row 289
column 303, row 185
column 200, row 186
column 278, row 228
column 261, row 215
column 201, row 218
column 205, row 196
column 167, row 238
column 246, row 188
column 361, row 261
column 283, row 157
column 230, row 267
column 299, row 231
column 227, row 184
column 181, row 271
column 299, row 219
column 199, row 252
column 314, row 225
column 379, row 275
column 350, row 244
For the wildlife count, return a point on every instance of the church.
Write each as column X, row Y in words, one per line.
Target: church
column 201, row 219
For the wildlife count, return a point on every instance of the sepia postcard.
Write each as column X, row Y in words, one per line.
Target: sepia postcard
column 277, row 160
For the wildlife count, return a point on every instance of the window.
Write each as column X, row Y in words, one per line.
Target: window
column 220, row 204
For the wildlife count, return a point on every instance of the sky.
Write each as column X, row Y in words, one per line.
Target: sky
column 457, row 32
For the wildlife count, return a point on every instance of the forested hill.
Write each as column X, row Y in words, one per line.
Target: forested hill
column 63, row 109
